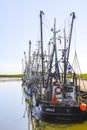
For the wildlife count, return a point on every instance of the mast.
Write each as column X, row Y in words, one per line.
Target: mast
column 41, row 32
column 25, row 59
column 65, row 65
column 29, row 54
column 66, row 56
column 70, row 35
column 22, row 66
column 57, row 75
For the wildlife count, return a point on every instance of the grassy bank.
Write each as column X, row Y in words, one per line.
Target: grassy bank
column 83, row 76
column 11, row 75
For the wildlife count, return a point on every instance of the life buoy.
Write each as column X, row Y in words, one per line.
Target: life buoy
column 58, row 90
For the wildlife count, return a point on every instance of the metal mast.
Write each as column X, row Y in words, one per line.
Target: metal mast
column 25, row 59
column 29, row 54
column 57, row 75
column 22, row 66
column 70, row 35
column 65, row 64
column 41, row 32
column 67, row 51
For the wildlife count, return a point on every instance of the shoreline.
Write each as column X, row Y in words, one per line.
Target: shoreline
column 3, row 79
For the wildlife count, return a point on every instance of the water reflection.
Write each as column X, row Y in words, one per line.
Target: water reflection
column 11, row 107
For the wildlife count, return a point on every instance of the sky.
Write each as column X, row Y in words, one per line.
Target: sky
column 19, row 21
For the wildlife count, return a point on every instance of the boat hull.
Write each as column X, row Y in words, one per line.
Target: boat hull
column 61, row 114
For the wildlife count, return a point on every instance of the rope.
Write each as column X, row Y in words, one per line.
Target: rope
column 76, row 62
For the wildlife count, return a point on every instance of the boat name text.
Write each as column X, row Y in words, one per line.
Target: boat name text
column 50, row 109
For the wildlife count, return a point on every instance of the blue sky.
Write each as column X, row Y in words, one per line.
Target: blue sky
column 19, row 21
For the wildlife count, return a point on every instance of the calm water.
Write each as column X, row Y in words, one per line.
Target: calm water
column 11, row 107
column 12, row 110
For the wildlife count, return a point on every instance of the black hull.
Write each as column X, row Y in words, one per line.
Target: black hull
column 57, row 114
column 61, row 114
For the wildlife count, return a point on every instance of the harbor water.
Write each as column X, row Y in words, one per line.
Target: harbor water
column 12, row 109
column 11, row 106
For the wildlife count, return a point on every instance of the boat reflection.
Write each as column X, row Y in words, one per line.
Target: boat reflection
column 34, row 123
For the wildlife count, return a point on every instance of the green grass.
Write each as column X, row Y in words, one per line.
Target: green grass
column 11, row 75
column 84, row 76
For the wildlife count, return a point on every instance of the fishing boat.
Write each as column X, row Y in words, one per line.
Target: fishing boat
column 50, row 83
